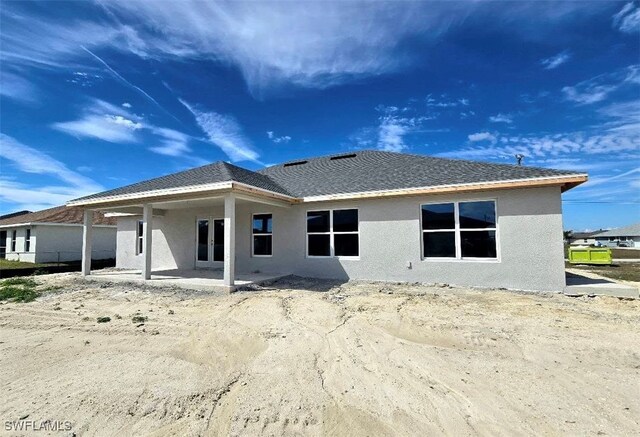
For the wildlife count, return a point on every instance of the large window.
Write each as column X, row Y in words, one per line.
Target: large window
column 139, row 239
column 14, row 239
column 459, row 230
column 262, row 230
column 27, row 241
column 333, row 233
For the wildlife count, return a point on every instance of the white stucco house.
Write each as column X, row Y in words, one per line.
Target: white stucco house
column 364, row 215
column 627, row 236
column 54, row 234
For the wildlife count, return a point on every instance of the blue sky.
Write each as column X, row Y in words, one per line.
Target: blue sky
column 101, row 94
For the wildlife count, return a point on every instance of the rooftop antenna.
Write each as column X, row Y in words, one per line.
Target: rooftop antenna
column 519, row 158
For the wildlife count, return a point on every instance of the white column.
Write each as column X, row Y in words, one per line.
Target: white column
column 87, row 237
column 147, row 232
column 229, row 240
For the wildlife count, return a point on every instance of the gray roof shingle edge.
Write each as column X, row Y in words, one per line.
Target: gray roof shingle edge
column 626, row 231
column 360, row 171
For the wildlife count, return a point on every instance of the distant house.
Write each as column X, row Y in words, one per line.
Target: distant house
column 54, row 234
column 628, row 236
column 363, row 215
column 583, row 238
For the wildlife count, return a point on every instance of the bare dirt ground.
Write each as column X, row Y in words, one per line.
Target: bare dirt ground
column 318, row 358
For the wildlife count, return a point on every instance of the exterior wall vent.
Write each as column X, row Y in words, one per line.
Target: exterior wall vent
column 291, row 164
column 335, row 158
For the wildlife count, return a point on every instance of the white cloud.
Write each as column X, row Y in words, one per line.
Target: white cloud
column 114, row 124
column 394, row 124
column 309, row 44
column 501, row 118
column 126, row 105
column 32, row 161
column 390, row 134
column 482, row 136
column 225, row 132
column 17, row 87
column 555, row 61
column 628, row 18
column 600, row 87
column 276, row 139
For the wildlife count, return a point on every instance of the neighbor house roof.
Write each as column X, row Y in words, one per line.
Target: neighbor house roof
column 358, row 172
column 627, row 231
column 582, row 235
column 58, row 215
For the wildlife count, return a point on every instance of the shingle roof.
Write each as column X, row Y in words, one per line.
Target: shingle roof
column 372, row 170
column 627, row 231
column 361, row 171
column 207, row 174
column 58, row 214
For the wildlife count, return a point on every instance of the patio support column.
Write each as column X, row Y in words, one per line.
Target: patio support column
column 229, row 240
column 147, row 231
column 87, row 237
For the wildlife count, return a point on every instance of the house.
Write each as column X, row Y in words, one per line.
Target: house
column 369, row 215
column 54, row 234
column 583, row 238
column 628, row 236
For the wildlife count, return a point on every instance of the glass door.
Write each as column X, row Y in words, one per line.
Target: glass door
column 209, row 242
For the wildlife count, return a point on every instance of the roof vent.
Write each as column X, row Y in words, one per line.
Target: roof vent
column 351, row 155
column 291, row 164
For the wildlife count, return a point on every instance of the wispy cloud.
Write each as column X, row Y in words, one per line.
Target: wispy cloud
column 600, row 87
column 628, row 18
column 482, row 136
column 225, row 132
column 395, row 123
column 278, row 139
column 116, row 124
column 273, row 44
column 26, row 159
column 104, row 121
column 501, row 118
column 17, row 87
column 555, row 61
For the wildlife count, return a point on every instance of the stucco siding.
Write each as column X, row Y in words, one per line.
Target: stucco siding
column 530, row 247
column 64, row 243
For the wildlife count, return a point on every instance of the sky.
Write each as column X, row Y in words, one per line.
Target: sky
column 100, row 94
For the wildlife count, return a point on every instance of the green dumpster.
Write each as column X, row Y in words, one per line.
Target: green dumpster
column 590, row 255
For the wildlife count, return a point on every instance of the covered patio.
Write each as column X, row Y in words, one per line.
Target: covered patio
column 159, row 204
column 197, row 279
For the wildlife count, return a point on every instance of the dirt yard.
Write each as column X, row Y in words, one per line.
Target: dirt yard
column 318, row 358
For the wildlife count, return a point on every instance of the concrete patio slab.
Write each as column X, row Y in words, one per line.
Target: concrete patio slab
column 582, row 283
column 200, row 279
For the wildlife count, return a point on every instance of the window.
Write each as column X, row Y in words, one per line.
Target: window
column 139, row 239
column 333, row 233
column 262, row 230
column 14, row 238
column 27, row 241
column 459, row 230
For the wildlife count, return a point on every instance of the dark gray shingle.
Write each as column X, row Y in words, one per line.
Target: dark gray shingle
column 367, row 170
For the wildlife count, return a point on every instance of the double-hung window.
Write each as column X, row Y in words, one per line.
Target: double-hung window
column 262, row 229
column 333, row 233
column 14, row 239
column 27, row 241
column 459, row 230
column 139, row 239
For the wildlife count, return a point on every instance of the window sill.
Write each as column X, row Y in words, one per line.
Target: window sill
column 462, row 260
column 261, row 256
column 346, row 258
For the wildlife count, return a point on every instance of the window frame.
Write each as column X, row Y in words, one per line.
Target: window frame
column 331, row 234
column 14, row 240
column 253, row 234
column 457, row 230
column 27, row 240
column 139, row 237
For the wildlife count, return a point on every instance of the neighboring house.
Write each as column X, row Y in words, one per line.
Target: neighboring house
column 628, row 236
column 583, row 238
column 365, row 215
column 55, row 234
